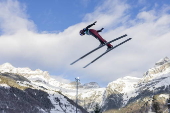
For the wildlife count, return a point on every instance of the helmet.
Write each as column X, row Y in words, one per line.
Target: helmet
column 82, row 32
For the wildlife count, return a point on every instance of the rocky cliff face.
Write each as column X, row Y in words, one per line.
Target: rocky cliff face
column 14, row 100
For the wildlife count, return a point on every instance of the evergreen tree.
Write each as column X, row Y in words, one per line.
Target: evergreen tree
column 97, row 108
column 156, row 105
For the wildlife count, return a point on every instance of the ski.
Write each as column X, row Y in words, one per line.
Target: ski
column 98, row 48
column 107, row 52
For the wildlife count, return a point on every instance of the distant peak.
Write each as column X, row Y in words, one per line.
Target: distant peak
column 6, row 65
column 91, row 85
column 162, row 61
column 162, row 66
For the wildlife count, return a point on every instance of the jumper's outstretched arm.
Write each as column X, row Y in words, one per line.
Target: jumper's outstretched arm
column 100, row 30
column 91, row 25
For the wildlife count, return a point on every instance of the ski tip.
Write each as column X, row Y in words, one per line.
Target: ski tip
column 75, row 61
column 72, row 63
column 86, row 65
column 123, row 36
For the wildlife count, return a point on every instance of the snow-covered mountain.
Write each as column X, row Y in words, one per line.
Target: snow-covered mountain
column 120, row 94
column 124, row 94
column 25, row 91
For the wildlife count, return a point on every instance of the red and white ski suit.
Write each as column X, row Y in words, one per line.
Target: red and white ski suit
column 94, row 33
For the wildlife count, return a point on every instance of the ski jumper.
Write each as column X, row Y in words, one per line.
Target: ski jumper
column 95, row 34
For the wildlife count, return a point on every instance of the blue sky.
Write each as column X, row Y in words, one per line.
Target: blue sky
column 43, row 34
column 57, row 15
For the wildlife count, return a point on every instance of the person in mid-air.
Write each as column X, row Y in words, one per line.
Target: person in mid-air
column 95, row 33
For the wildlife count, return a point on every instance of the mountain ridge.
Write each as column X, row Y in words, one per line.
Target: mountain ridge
column 120, row 94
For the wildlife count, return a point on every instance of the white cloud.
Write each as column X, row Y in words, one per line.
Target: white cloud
column 109, row 14
column 13, row 17
column 55, row 51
